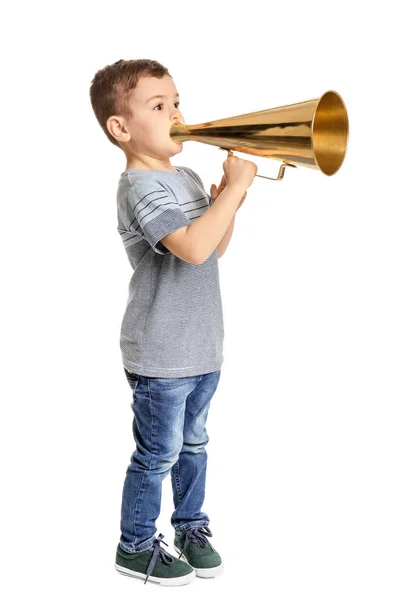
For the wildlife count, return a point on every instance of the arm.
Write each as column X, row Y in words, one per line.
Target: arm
column 224, row 243
column 194, row 243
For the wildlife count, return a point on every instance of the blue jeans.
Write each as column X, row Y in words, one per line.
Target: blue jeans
column 170, row 435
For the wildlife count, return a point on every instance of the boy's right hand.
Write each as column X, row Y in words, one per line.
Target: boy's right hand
column 239, row 172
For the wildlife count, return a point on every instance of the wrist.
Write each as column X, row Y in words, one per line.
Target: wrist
column 237, row 188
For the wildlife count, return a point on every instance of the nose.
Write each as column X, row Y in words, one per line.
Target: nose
column 177, row 116
column 178, row 119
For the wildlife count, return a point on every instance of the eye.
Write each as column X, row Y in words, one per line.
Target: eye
column 163, row 105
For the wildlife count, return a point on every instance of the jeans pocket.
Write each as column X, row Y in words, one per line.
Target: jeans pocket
column 133, row 380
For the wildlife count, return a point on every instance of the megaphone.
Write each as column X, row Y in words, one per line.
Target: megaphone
column 311, row 134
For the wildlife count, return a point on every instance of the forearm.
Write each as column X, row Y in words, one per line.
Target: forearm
column 222, row 246
column 206, row 233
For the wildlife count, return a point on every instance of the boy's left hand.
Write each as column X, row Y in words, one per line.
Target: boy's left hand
column 215, row 192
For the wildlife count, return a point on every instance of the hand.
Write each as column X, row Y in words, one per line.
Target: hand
column 215, row 192
column 239, row 171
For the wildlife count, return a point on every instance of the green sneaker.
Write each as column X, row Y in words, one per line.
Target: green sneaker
column 154, row 565
column 197, row 551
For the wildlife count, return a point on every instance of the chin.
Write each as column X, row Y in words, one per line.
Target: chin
column 178, row 147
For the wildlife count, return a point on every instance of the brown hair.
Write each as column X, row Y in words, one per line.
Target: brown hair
column 112, row 86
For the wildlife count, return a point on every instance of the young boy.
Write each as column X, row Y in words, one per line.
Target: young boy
column 172, row 330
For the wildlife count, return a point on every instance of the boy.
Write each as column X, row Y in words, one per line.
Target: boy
column 172, row 330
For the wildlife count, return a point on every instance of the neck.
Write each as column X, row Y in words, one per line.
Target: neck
column 148, row 163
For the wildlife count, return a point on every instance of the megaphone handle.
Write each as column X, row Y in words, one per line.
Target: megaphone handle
column 281, row 170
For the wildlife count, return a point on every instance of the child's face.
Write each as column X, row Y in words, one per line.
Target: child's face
column 152, row 119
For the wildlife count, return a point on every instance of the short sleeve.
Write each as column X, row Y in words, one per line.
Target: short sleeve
column 155, row 212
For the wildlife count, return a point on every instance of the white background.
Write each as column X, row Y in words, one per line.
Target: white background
column 303, row 468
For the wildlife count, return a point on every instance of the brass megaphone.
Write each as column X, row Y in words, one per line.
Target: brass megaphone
column 310, row 134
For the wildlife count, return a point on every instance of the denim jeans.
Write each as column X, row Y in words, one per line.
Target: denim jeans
column 170, row 436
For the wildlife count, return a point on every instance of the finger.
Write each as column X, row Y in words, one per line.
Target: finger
column 222, row 184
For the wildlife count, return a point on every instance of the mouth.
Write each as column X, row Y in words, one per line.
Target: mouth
column 178, row 143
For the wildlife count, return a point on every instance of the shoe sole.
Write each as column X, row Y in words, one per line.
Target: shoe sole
column 210, row 572
column 169, row 581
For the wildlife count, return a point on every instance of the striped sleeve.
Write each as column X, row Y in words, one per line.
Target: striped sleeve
column 155, row 213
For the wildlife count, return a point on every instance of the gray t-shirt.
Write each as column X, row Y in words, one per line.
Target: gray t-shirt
column 173, row 321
